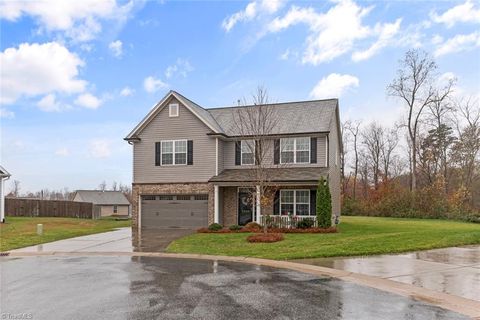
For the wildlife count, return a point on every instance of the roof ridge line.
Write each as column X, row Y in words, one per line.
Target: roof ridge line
column 270, row 104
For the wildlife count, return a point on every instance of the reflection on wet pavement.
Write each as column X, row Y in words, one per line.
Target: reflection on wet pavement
column 156, row 239
column 121, row 240
column 451, row 270
column 164, row 288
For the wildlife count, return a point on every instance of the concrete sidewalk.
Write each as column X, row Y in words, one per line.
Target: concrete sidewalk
column 454, row 270
column 114, row 241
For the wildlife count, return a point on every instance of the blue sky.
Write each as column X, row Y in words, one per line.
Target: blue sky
column 76, row 76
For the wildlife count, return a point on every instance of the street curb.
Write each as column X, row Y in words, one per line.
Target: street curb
column 457, row 304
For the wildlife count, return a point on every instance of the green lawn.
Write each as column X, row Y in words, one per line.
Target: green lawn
column 357, row 236
column 20, row 232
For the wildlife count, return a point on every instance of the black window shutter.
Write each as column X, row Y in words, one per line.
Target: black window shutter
column 190, row 152
column 313, row 150
column 157, row 153
column 276, row 202
column 238, row 150
column 276, row 151
column 313, row 202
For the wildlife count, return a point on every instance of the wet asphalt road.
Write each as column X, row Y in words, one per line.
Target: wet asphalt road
column 165, row 288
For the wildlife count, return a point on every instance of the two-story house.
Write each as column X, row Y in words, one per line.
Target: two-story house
column 190, row 165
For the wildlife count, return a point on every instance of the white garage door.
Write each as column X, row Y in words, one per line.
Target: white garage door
column 179, row 211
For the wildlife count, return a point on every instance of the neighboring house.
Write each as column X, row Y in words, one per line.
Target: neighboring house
column 4, row 175
column 189, row 169
column 105, row 203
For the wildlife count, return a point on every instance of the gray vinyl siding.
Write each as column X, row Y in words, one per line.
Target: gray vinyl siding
column 229, row 155
column 221, row 147
column 334, row 169
column 162, row 127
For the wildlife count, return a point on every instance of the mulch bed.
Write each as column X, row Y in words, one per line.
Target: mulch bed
column 272, row 230
column 265, row 237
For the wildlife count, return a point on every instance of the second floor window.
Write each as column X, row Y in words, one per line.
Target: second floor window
column 174, row 152
column 248, row 151
column 295, row 150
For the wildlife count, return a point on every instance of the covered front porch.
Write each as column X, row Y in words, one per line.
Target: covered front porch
column 288, row 197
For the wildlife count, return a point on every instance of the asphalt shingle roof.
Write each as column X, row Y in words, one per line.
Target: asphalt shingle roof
column 293, row 117
column 274, row 174
column 103, row 197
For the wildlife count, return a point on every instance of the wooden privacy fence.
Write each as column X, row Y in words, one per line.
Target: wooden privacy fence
column 17, row 207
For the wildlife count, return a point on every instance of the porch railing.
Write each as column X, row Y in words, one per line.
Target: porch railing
column 285, row 221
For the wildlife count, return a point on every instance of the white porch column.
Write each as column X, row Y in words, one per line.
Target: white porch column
column 258, row 208
column 2, row 201
column 216, row 214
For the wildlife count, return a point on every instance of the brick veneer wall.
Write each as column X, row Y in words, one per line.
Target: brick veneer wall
column 174, row 188
column 229, row 206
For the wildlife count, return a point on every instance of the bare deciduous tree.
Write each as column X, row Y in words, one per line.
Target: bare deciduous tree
column 102, row 186
column 390, row 142
column 354, row 128
column 414, row 85
column 373, row 141
column 15, row 192
column 257, row 122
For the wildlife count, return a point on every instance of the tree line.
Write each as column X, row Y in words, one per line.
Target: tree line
column 427, row 163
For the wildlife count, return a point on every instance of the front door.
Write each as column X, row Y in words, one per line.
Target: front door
column 245, row 207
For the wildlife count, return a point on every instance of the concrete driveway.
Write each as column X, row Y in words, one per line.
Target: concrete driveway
column 149, row 240
column 453, row 270
column 140, row 287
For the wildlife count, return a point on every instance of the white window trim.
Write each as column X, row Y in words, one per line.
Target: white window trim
column 294, row 201
column 173, row 153
column 295, row 151
column 241, row 153
column 171, row 106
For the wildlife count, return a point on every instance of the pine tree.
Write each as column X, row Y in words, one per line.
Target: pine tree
column 324, row 204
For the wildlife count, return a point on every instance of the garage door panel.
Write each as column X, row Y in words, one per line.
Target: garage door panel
column 174, row 211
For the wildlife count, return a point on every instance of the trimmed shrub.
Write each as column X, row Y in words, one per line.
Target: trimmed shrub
column 324, row 204
column 265, row 237
column 215, row 227
column 305, row 223
column 253, row 226
column 235, row 227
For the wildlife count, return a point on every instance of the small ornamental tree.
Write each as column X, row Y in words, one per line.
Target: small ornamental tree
column 324, row 204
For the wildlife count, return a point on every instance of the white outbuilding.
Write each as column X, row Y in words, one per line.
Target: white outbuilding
column 4, row 175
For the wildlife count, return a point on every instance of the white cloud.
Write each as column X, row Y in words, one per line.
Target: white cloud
column 251, row 11
column 151, row 84
column 466, row 12
column 437, row 39
column 386, row 33
column 49, row 103
column 458, row 43
column 335, row 32
column 181, row 67
column 88, row 100
column 35, row 69
column 6, row 114
column 126, row 92
column 78, row 20
column 116, row 47
column 100, row 148
column 333, row 86
column 62, row 152
column 285, row 55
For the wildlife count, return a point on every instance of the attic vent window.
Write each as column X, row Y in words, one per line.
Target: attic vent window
column 173, row 110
